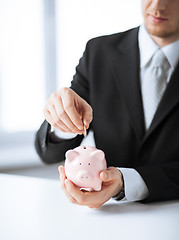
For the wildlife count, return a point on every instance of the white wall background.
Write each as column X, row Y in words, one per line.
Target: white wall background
column 21, row 64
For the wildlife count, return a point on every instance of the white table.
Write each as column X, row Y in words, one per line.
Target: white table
column 36, row 209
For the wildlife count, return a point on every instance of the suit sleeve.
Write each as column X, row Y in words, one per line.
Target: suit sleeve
column 162, row 181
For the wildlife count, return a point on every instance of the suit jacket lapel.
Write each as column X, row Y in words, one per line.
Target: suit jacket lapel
column 128, row 84
column 126, row 74
column 168, row 102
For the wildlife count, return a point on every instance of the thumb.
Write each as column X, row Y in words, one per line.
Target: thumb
column 110, row 174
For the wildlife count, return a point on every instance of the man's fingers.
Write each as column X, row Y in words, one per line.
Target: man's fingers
column 61, row 171
column 82, row 198
column 60, row 116
column 63, row 185
column 112, row 183
column 110, row 174
column 90, row 199
column 57, row 122
column 49, row 118
column 67, row 193
column 64, row 117
column 73, row 194
column 68, row 102
column 68, row 111
column 57, row 117
column 112, row 177
column 78, row 110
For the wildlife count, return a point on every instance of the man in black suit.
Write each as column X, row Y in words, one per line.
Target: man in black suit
column 108, row 95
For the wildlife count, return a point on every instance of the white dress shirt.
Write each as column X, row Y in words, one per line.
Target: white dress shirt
column 134, row 185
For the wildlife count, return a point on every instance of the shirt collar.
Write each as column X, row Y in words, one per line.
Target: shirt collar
column 171, row 51
column 148, row 47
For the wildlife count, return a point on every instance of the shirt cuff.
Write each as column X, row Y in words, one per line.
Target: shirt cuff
column 134, row 185
column 62, row 135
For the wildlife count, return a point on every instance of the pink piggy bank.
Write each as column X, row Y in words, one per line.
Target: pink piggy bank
column 83, row 166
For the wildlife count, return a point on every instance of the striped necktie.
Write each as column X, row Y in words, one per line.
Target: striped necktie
column 154, row 84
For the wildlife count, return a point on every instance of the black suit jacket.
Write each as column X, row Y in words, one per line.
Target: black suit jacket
column 107, row 77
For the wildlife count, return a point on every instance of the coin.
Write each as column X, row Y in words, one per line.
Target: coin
column 85, row 132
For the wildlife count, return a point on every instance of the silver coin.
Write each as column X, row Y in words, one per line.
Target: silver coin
column 85, row 132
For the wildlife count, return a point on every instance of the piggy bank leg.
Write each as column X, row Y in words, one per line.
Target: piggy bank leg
column 97, row 187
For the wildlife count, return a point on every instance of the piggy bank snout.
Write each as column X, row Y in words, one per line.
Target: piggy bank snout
column 84, row 175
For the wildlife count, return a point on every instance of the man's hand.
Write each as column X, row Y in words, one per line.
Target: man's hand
column 67, row 111
column 111, row 185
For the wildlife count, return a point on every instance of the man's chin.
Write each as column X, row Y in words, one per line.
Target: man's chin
column 161, row 32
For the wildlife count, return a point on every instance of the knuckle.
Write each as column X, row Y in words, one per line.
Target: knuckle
column 53, row 95
column 90, row 110
column 64, row 90
column 117, row 174
column 91, row 115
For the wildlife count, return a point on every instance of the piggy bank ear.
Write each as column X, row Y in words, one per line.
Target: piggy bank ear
column 71, row 154
column 98, row 154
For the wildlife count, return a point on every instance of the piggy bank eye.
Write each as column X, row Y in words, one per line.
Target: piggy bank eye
column 89, row 163
column 80, row 163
